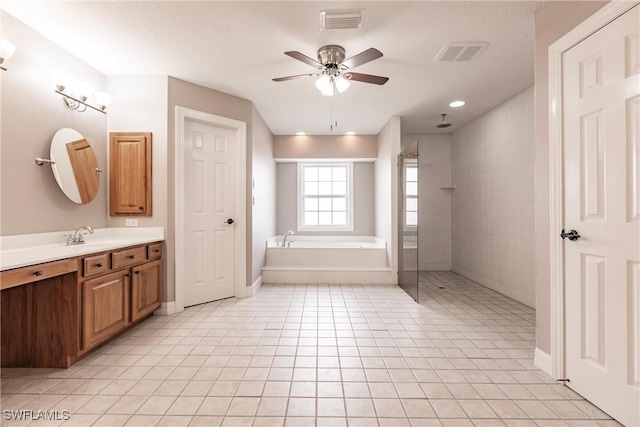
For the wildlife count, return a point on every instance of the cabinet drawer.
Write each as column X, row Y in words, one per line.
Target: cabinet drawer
column 154, row 251
column 127, row 257
column 33, row 273
column 95, row 264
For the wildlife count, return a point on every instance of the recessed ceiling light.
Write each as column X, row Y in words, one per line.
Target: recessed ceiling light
column 301, row 133
column 350, row 133
column 456, row 104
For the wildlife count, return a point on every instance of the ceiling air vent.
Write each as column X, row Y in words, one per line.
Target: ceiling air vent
column 460, row 51
column 344, row 19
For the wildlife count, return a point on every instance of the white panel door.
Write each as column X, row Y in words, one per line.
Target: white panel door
column 601, row 94
column 209, row 207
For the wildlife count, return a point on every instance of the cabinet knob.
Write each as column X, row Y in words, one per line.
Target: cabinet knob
column 156, row 250
column 137, row 272
column 140, row 208
column 38, row 273
column 99, row 265
column 131, row 256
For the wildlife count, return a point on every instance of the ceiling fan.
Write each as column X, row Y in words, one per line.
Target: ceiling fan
column 334, row 71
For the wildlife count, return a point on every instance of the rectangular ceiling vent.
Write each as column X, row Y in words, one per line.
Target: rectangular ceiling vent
column 460, row 51
column 342, row 19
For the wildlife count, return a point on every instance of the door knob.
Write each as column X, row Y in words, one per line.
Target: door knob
column 229, row 221
column 572, row 235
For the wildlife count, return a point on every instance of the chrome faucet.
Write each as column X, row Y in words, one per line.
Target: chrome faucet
column 77, row 238
column 284, row 241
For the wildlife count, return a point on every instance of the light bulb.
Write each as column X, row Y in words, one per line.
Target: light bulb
column 324, row 83
column 342, row 83
column 103, row 99
column 61, row 79
column 83, row 90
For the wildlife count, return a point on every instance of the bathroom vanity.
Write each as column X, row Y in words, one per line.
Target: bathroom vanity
column 60, row 302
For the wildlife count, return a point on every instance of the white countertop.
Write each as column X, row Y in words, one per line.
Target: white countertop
column 30, row 249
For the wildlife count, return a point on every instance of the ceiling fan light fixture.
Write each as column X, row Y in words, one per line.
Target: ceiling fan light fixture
column 324, row 83
column 342, row 84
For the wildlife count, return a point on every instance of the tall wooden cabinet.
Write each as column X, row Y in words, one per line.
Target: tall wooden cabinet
column 130, row 174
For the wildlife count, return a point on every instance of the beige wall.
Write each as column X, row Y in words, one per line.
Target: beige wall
column 325, row 146
column 386, row 190
column 493, row 203
column 363, row 200
column 434, row 203
column 553, row 20
column 263, row 186
column 31, row 201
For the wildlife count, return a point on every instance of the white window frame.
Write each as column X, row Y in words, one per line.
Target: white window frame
column 350, row 197
column 409, row 227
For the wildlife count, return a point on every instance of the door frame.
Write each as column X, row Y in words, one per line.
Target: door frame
column 599, row 19
column 182, row 115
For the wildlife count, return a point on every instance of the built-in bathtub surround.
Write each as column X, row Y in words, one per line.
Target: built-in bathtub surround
column 29, row 249
column 493, row 203
column 326, row 259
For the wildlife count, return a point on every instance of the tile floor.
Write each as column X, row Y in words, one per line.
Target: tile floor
column 316, row 355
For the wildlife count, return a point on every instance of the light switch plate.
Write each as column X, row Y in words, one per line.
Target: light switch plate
column 131, row 222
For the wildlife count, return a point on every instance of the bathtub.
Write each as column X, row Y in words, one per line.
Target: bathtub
column 326, row 259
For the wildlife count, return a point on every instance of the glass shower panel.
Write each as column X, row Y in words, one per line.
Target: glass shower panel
column 408, row 220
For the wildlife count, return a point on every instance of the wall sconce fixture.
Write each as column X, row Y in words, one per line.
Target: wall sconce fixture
column 6, row 51
column 75, row 94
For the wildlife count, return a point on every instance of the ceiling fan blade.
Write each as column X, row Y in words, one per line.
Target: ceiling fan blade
column 284, row 79
column 362, row 58
column 366, row 78
column 304, row 58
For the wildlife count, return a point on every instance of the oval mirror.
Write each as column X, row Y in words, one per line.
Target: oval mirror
column 76, row 167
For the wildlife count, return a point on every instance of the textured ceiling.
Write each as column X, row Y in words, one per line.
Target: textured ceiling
column 237, row 47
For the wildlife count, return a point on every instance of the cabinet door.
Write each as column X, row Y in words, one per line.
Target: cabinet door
column 130, row 173
column 105, row 307
column 146, row 289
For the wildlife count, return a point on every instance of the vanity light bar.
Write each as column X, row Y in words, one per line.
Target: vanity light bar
column 73, row 102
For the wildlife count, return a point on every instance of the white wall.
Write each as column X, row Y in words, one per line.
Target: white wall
column 434, row 202
column 386, row 190
column 493, row 203
column 264, row 191
column 363, row 200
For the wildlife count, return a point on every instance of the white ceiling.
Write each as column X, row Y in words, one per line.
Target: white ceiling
column 237, row 48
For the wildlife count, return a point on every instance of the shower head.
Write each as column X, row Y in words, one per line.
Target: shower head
column 444, row 124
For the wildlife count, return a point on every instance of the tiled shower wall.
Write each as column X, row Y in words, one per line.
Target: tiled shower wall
column 493, row 203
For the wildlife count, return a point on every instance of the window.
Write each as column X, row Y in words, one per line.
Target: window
column 325, row 199
column 411, row 194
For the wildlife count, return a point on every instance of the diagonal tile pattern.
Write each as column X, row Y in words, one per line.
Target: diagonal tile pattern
column 317, row 355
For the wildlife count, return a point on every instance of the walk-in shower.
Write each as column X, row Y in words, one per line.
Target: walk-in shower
column 408, row 220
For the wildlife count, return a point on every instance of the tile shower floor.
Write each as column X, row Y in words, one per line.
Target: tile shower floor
column 315, row 355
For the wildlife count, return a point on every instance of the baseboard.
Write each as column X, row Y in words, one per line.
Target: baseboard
column 255, row 287
column 166, row 309
column 542, row 360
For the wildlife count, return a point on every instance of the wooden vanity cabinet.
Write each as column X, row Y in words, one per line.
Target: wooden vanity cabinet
column 53, row 314
column 105, row 307
column 130, row 291
column 38, row 315
column 130, row 174
column 146, row 292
